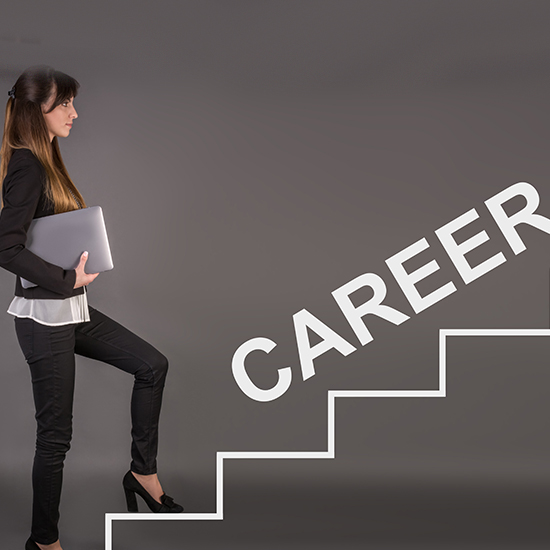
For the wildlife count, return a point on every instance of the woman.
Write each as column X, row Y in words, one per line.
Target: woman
column 53, row 320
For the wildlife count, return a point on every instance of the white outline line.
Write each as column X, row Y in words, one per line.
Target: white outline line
column 331, row 444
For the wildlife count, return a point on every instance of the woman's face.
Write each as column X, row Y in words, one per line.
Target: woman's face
column 60, row 120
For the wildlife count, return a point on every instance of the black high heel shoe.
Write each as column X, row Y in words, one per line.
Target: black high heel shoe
column 132, row 487
column 31, row 545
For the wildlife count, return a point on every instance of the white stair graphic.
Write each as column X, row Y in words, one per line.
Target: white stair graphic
column 332, row 395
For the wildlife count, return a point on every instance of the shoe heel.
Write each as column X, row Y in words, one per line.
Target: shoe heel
column 31, row 545
column 131, row 500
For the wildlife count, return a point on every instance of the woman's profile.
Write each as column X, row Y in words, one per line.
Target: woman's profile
column 53, row 320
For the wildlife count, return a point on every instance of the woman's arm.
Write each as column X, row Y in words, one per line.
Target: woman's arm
column 21, row 192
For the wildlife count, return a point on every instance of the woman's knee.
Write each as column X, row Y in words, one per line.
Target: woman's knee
column 154, row 370
column 53, row 445
column 161, row 366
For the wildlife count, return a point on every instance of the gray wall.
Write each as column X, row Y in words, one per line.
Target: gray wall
column 250, row 158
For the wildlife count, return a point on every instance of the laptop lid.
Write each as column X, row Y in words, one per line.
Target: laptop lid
column 62, row 238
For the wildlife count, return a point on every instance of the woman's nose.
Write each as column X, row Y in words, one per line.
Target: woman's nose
column 74, row 114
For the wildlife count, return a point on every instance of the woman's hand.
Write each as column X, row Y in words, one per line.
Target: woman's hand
column 82, row 278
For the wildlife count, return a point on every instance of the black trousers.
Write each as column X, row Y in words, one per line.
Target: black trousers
column 50, row 353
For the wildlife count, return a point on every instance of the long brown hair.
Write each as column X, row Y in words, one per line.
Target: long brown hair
column 25, row 128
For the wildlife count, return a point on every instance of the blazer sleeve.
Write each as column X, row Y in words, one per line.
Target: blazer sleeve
column 22, row 190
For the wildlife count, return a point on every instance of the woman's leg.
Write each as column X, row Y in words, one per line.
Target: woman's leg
column 106, row 340
column 49, row 351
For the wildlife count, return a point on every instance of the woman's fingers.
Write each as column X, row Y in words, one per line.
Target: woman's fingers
column 83, row 278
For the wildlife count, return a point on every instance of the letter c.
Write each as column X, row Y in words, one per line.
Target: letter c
column 244, row 382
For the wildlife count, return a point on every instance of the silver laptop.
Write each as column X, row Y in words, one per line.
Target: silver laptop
column 62, row 238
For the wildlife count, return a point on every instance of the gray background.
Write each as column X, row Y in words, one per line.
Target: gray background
column 251, row 157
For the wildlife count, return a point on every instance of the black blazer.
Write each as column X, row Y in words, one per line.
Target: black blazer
column 23, row 193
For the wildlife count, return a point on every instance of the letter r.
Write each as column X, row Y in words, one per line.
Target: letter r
column 507, row 224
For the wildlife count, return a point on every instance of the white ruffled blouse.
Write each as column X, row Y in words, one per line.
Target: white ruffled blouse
column 52, row 312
